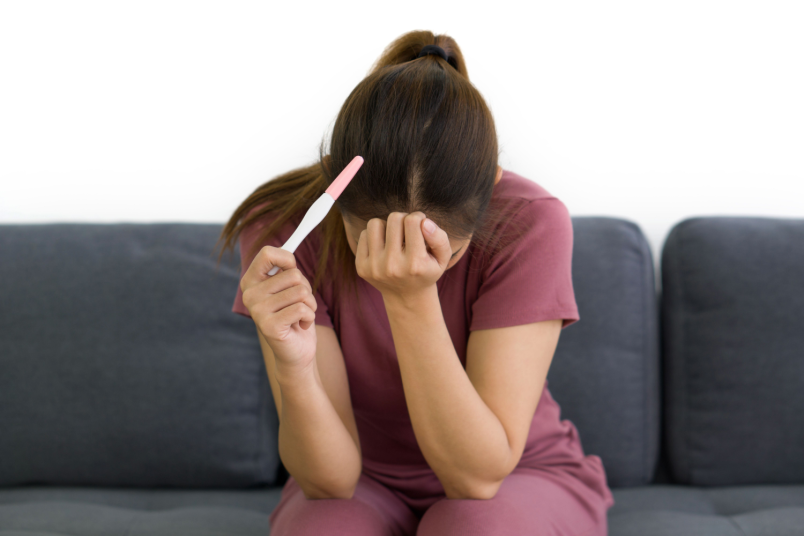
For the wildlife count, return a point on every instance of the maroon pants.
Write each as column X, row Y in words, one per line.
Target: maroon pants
column 529, row 502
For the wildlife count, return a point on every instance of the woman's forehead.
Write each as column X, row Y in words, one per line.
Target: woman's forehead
column 358, row 222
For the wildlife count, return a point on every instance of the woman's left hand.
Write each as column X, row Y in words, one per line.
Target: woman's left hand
column 393, row 255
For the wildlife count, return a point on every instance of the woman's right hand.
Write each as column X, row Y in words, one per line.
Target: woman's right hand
column 283, row 308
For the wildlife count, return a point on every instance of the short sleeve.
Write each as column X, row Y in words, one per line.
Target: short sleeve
column 305, row 262
column 529, row 279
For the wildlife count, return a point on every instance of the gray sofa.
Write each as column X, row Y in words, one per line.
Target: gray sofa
column 134, row 402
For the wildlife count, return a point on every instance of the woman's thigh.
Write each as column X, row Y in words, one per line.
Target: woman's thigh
column 529, row 502
column 373, row 510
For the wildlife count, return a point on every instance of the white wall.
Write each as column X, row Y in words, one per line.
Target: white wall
column 177, row 110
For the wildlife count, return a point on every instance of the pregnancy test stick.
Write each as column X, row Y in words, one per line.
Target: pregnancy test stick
column 321, row 207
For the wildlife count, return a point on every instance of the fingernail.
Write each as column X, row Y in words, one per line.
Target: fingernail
column 429, row 225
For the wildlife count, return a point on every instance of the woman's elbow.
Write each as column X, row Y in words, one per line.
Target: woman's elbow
column 476, row 491
column 330, row 492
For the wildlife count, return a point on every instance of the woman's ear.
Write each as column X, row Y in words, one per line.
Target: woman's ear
column 499, row 175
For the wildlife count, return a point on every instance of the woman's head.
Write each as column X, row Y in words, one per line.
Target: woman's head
column 428, row 142
column 426, row 135
column 354, row 226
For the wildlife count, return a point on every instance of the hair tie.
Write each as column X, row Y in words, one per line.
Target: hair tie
column 433, row 49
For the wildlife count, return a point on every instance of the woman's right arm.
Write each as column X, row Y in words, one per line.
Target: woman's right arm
column 318, row 441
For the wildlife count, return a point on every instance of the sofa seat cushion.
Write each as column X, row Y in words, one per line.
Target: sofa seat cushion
column 664, row 510
column 657, row 510
column 80, row 511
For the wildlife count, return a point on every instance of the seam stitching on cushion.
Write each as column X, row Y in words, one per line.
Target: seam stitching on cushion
column 644, row 372
column 681, row 423
column 736, row 525
column 131, row 521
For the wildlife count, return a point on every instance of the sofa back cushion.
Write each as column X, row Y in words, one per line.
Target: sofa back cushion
column 733, row 348
column 122, row 364
column 604, row 374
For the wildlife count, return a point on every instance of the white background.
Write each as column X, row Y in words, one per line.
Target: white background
column 176, row 110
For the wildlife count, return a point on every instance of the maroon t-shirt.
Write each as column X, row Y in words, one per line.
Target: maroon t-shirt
column 527, row 280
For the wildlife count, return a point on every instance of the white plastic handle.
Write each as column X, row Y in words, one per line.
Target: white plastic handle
column 313, row 217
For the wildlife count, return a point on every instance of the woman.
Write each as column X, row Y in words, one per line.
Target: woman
column 410, row 375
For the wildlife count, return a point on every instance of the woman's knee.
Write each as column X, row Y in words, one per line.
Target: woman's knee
column 328, row 517
column 370, row 512
column 529, row 502
column 464, row 517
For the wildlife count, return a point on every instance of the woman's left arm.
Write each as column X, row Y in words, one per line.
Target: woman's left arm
column 471, row 425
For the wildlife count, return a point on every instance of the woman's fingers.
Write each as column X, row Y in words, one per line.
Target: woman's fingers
column 375, row 229
column 438, row 242
column 266, row 258
column 291, row 277
column 276, row 284
column 394, row 233
column 414, row 240
column 291, row 295
column 279, row 306
column 397, row 247
column 298, row 312
column 362, row 248
column 271, row 294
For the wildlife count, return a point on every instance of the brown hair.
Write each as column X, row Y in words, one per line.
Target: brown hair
column 428, row 142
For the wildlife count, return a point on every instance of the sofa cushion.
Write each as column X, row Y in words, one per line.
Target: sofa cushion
column 604, row 374
column 732, row 304
column 122, row 364
column 669, row 510
column 657, row 510
column 76, row 511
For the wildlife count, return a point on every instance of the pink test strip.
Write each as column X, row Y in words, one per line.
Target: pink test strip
column 321, row 207
column 345, row 177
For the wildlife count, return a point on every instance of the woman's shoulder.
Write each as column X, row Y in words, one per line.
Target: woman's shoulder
column 514, row 186
column 525, row 270
column 526, row 204
column 523, row 214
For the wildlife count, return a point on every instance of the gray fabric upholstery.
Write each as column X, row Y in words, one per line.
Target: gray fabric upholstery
column 260, row 499
column 655, row 510
column 121, row 363
column 128, row 512
column 732, row 305
column 604, row 374
column 134, row 402
column 673, row 510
